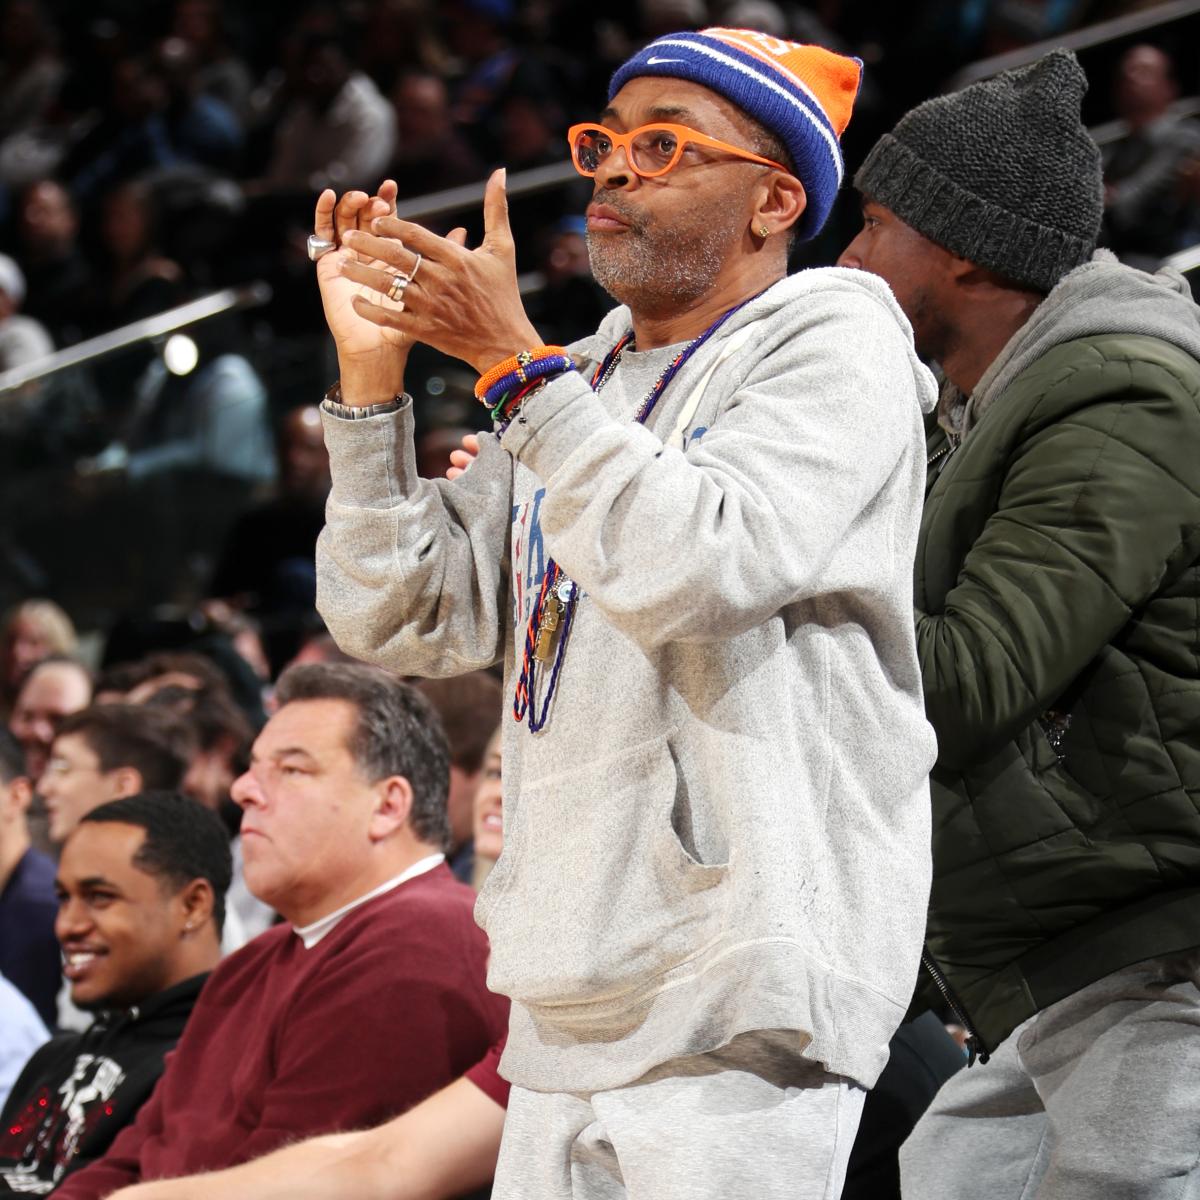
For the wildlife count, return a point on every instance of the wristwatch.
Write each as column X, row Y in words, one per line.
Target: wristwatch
column 332, row 404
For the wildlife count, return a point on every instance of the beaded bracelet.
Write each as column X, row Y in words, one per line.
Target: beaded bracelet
column 527, row 373
column 515, row 365
column 504, row 408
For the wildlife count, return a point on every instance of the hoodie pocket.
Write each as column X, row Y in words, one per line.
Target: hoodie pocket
column 597, row 895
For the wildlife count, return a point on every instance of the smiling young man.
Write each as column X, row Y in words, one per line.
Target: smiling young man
column 141, row 887
column 372, row 997
column 107, row 752
column 691, row 546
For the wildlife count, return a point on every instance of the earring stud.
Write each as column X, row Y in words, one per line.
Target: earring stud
column 763, row 231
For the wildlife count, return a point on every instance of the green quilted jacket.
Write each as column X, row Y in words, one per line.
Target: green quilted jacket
column 1058, row 627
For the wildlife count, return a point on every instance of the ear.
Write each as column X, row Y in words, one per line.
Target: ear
column 126, row 781
column 393, row 804
column 196, row 903
column 15, row 797
column 778, row 204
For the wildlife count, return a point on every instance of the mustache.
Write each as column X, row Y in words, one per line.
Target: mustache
column 616, row 202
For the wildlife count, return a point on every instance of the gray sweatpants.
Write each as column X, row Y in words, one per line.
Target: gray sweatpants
column 751, row 1120
column 1095, row 1098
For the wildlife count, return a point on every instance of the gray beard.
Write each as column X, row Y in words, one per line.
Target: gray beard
column 653, row 269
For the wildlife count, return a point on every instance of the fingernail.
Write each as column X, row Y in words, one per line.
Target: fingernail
column 504, row 177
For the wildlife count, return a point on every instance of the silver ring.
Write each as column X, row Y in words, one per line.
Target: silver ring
column 416, row 267
column 318, row 246
column 395, row 289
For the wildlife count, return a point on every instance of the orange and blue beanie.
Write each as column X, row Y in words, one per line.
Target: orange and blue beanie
column 802, row 94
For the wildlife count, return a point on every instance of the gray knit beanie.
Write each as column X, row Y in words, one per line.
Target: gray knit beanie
column 1002, row 173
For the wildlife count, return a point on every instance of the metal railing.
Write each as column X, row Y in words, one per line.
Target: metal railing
column 1185, row 261
column 1079, row 39
column 149, row 329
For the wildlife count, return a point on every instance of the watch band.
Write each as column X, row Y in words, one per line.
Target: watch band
column 333, row 405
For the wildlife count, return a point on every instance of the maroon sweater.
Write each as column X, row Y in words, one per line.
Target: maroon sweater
column 286, row 1042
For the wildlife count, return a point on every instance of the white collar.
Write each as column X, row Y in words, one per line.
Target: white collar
column 310, row 935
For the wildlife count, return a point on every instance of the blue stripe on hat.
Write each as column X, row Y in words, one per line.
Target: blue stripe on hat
column 760, row 71
column 789, row 111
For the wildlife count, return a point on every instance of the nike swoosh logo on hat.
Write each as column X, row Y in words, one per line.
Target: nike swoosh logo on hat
column 653, row 62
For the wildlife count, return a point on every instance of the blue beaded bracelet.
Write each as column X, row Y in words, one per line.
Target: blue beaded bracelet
column 526, row 374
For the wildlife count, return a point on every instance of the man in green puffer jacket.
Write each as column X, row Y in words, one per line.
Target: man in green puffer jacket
column 1058, row 627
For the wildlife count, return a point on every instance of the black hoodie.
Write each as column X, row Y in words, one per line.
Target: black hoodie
column 81, row 1089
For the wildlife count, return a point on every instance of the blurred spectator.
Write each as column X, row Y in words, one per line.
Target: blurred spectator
column 400, row 36
column 154, row 118
column 763, row 15
column 435, row 446
column 470, row 708
column 659, row 17
column 488, row 813
column 22, row 339
column 431, row 154
column 28, row 952
column 107, row 752
column 137, row 281
column 1147, row 204
column 21, row 1033
column 219, row 72
column 337, row 129
column 141, row 281
column 32, row 631
column 141, row 886
column 31, row 71
column 921, row 1057
column 480, row 36
column 571, row 302
column 345, row 806
column 57, row 687
column 266, row 565
column 193, row 688
column 200, row 406
column 202, row 129
column 60, row 280
column 320, row 648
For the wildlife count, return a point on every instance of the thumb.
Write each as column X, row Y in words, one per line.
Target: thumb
column 458, row 236
column 496, row 232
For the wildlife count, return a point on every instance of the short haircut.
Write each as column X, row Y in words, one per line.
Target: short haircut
column 398, row 733
column 184, row 841
column 156, row 743
column 470, row 708
column 12, row 758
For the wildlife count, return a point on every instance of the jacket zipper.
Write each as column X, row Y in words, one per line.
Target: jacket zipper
column 946, row 449
column 976, row 1049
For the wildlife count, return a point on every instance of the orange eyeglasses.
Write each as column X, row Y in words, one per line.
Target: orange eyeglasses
column 650, row 150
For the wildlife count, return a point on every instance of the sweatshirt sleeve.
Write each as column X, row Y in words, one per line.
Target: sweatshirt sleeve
column 704, row 543
column 411, row 572
column 1096, row 511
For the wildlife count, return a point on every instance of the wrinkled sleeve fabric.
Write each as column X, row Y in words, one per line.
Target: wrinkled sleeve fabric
column 412, row 573
column 705, row 543
column 1093, row 513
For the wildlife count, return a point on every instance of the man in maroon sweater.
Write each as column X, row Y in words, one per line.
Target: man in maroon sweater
column 374, row 996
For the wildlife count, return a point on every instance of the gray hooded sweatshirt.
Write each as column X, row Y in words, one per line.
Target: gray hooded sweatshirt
column 724, row 825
